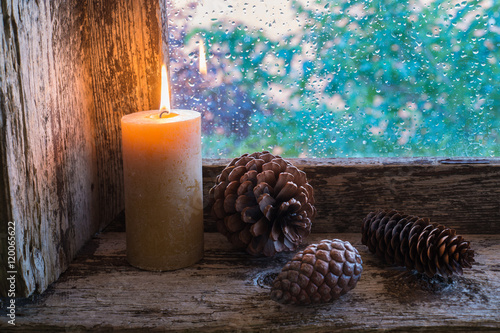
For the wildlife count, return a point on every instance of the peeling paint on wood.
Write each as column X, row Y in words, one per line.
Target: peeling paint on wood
column 229, row 290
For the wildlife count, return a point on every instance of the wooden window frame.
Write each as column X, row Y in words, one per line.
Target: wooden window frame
column 462, row 193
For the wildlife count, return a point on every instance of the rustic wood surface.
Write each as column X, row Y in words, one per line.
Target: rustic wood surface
column 229, row 290
column 462, row 193
column 69, row 70
column 125, row 46
column 47, row 137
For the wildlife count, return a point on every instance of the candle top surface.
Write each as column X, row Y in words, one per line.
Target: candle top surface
column 153, row 117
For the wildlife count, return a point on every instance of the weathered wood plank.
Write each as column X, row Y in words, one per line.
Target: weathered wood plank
column 70, row 70
column 461, row 193
column 125, row 57
column 46, row 137
column 229, row 290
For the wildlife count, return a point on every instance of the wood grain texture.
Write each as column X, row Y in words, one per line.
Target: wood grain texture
column 229, row 290
column 70, row 70
column 47, row 137
column 125, row 57
column 461, row 193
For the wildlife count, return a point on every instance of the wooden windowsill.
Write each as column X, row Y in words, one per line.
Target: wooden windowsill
column 229, row 290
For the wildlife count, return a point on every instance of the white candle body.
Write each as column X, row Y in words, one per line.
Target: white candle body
column 163, row 189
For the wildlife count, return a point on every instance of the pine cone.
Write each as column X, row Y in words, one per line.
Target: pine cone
column 263, row 203
column 414, row 242
column 319, row 274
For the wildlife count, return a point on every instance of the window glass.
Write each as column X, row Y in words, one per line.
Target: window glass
column 340, row 78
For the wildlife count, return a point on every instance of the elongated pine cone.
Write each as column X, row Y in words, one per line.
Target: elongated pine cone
column 263, row 203
column 416, row 243
column 319, row 274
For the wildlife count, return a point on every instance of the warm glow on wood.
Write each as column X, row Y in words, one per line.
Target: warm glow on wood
column 165, row 91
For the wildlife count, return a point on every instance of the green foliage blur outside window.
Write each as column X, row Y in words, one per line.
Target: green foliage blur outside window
column 351, row 79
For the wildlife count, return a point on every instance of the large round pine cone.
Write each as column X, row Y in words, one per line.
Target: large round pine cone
column 319, row 274
column 263, row 203
column 416, row 243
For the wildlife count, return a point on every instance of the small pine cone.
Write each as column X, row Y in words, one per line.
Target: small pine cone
column 263, row 203
column 319, row 274
column 414, row 242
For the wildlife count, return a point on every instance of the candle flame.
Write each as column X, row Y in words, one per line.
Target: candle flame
column 165, row 91
column 203, row 59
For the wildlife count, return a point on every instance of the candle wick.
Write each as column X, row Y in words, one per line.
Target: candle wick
column 164, row 111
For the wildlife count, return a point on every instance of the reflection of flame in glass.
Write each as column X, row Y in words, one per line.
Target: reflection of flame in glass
column 203, row 59
column 165, row 91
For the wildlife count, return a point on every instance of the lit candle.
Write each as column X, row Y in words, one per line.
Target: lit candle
column 163, row 186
